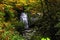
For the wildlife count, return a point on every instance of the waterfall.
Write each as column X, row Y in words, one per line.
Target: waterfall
column 28, row 32
column 24, row 19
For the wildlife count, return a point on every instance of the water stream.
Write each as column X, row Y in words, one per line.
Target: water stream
column 28, row 32
column 24, row 19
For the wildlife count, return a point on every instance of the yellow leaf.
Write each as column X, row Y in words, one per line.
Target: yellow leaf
column 32, row 0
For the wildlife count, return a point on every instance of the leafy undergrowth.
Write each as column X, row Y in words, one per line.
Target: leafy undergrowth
column 8, row 23
column 8, row 32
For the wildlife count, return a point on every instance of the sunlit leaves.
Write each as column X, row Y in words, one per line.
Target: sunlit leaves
column 45, row 38
column 23, row 1
column 2, row 7
column 2, row 14
column 0, row 28
column 32, row 1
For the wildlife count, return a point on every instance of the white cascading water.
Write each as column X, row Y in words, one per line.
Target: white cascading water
column 24, row 19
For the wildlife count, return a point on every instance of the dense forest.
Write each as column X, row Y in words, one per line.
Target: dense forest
column 42, row 20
